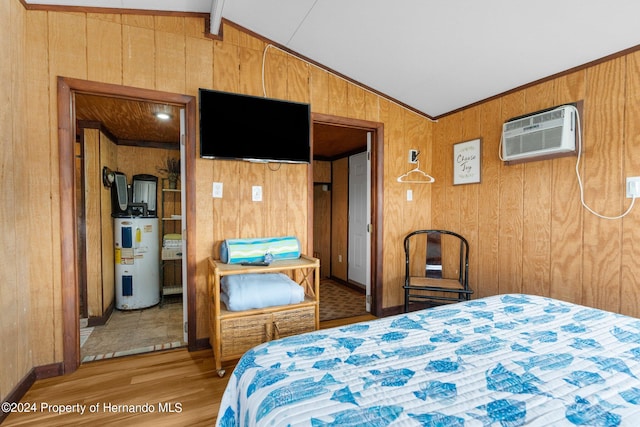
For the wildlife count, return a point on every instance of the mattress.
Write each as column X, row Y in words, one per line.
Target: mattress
column 506, row 360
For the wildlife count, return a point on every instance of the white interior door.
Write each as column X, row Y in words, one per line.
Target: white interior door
column 358, row 261
column 369, row 222
column 183, row 213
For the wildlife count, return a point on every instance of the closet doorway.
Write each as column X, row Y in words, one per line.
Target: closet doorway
column 68, row 92
column 342, row 146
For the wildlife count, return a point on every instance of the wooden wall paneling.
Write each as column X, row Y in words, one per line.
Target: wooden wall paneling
column 450, row 194
column 199, row 57
column 226, row 210
column 139, row 21
column 276, row 192
column 536, row 250
column 104, row 36
column 453, row 194
column 93, row 220
column 231, row 34
column 339, row 208
column 629, row 290
column 469, row 201
column 319, row 93
column 322, row 215
column 488, row 202
column 169, row 24
column 199, row 68
column 298, row 80
column 23, row 206
column 511, row 199
column 275, row 74
column 252, row 214
column 322, row 228
column 395, row 206
column 108, row 157
column 43, row 217
column 9, row 291
column 372, row 107
column 68, row 45
column 226, row 77
column 417, row 136
column 138, row 55
column 298, row 215
column 226, row 67
column 243, row 39
column 170, row 54
column 338, row 99
column 321, row 171
column 250, row 71
column 438, row 188
column 356, row 102
column 129, row 161
column 209, row 231
column 67, row 57
column 194, row 27
column 603, row 183
column 109, row 17
column 566, row 212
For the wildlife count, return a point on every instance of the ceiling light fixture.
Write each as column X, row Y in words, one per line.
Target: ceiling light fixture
column 163, row 116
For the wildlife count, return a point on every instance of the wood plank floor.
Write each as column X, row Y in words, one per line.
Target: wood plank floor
column 169, row 388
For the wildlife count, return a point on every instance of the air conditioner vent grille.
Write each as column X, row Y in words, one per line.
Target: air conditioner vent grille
column 539, row 134
column 534, row 141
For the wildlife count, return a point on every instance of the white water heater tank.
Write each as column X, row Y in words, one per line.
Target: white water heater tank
column 137, row 262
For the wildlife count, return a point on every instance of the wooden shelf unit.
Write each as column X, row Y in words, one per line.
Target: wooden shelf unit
column 170, row 258
column 232, row 333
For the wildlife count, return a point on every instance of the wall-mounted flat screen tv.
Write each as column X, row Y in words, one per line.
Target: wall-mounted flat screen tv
column 243, row 127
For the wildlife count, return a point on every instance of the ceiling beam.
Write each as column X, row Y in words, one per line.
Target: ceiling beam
column 216, row 16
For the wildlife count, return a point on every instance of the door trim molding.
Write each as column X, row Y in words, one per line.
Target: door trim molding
column 66, row 139
column 377, row 196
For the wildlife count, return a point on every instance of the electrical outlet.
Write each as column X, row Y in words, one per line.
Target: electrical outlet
column 409, row 195
column 217, row 190
column 633, row 187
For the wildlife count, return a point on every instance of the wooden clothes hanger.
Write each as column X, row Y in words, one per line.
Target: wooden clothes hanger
column 422, row 177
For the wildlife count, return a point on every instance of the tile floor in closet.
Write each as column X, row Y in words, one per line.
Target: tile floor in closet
column 133, row 332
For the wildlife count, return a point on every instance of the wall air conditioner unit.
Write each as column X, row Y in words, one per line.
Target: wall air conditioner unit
column 543, row 134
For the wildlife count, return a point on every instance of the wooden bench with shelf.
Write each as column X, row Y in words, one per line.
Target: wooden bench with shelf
column 232, row 333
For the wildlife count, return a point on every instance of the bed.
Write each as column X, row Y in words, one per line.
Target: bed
column 506, row 360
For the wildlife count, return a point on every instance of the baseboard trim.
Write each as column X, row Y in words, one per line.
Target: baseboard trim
column 349, row 285
column 101, row 320
column 392, row 311
column 37, row 373
column 48, row 371
column 200, row 344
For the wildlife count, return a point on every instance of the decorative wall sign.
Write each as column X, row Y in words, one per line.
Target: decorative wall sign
column 466, row 162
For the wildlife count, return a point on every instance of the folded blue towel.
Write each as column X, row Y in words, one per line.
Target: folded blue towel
column 236, row 251
column 259, row 290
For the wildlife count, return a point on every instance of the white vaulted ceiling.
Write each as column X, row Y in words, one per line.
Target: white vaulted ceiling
column 435, row 56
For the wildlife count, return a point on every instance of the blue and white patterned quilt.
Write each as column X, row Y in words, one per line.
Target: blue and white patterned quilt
column 507, row 360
